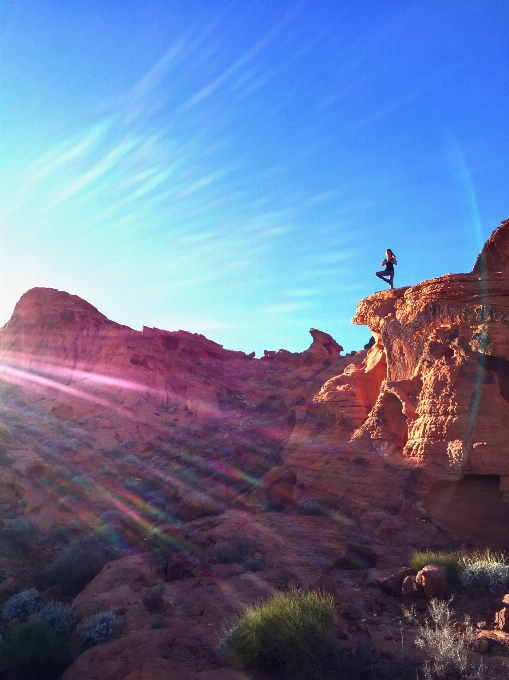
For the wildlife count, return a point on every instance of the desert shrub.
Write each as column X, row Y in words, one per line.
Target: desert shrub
column 79, row 563
column 34, row 653
column 21, row 605
column 237, row 550
column 98, row 628
column 59, row 617
column 153, row 601
column 448, row 559
column 484, row 571
column 289, row 636
column 59, row 536
column 447, row 648
column 18, row 536
column 310, row 506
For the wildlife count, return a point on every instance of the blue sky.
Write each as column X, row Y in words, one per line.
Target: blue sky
column 238, row 168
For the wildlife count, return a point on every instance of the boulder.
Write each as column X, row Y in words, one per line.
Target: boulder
column 433, row 579
column 278, row 484
column 392, row 584
column 502, row 620
column 411, row 588
column 193, row 506
column 502, row 616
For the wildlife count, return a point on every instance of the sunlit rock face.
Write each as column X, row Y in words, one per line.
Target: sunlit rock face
column 431, row 395
column 212, row 419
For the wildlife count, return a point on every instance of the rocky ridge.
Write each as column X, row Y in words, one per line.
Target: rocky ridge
column 158, row 435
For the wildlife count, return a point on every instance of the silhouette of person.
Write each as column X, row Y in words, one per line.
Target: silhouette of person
column 389, row 262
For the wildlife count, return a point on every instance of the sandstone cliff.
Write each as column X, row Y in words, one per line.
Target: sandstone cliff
column 430, row 398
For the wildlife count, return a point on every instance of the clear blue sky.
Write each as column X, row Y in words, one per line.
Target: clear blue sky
column 238, row 168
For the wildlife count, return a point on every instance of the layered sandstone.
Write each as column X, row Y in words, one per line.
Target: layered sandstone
column 75, row 363
column 432, row 394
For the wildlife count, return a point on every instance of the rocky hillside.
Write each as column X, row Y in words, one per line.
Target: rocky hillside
column 203, row 479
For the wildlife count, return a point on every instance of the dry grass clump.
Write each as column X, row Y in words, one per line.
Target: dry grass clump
column 484, row 570
column 448, row 647
column 290, row 636
column 448, row 559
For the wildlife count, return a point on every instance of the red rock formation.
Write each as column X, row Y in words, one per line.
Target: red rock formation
column 432, row 394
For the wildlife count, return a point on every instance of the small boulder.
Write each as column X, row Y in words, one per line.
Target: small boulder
column 194, row 506
column 392, row 585
column 278, row 484
column 502, row 620
column 433, row 580
column 502, row 616
column 410, row 588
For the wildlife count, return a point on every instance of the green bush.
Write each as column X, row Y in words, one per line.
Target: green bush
column 34, row 653
column 290, row 636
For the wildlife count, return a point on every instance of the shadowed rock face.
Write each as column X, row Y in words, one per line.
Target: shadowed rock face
column 431, row 395
column 494, row 257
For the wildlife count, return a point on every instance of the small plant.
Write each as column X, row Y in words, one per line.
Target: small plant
column 79, row 563
column 238, row 550
column 35, row 653
column 18, row 536
column 98, row 628
column 447, row 559
column 154, row 600
column 21, row 605
column 448, row 649
column 484, row 571
column 310, row 506
column 60, row 618
column 289, row 636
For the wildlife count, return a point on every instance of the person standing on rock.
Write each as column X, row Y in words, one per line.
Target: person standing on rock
column 389, row 262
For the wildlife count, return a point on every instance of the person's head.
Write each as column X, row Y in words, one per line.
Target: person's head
column 389, row 253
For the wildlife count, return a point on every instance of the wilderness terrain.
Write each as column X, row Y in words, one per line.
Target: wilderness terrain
column 217, row 478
